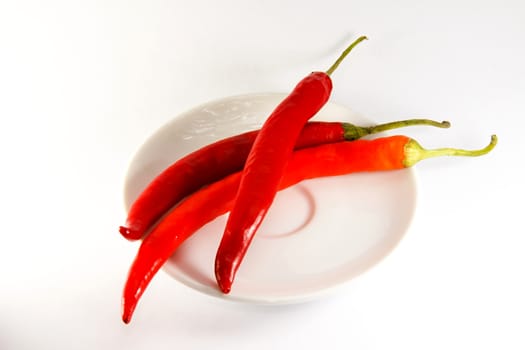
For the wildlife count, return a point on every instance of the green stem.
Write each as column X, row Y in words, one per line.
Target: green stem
column 344, row 54
column 353, row 132
column 414, row 152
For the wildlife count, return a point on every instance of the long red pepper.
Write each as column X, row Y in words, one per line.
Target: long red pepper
column 265, row 165
column 202, row 167
column 388, row 153
column 221, row 158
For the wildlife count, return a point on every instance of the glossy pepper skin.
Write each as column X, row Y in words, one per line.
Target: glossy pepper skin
column 209, row 164
column 382, row 154
column 263, row 170
column 265, row 165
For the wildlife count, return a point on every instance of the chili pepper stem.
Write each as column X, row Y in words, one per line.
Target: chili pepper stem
column 354, row 132
column 344, row 54
column 414, row 152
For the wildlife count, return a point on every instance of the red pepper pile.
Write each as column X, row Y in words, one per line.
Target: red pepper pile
column 242, row 174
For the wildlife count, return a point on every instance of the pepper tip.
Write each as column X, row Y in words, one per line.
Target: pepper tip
column 128, row 233
column 126, row 315
column 225, row 289
column 124, row 231
column 223, row 281
column 225, row 284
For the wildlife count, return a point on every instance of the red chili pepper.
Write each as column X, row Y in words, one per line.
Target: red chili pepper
column 203, row 167
column 389, row 153
column 216, row 160
column 265, row 165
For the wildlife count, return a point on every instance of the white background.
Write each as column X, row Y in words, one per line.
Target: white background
column 84, row 83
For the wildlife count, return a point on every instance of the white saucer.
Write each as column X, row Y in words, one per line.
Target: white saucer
column 317, row 235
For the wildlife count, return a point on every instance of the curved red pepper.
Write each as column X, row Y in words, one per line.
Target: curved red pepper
column 264, row 168
column 201, row 207
column 209, row 164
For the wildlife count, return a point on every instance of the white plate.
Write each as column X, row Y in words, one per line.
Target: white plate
column 317, row 235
